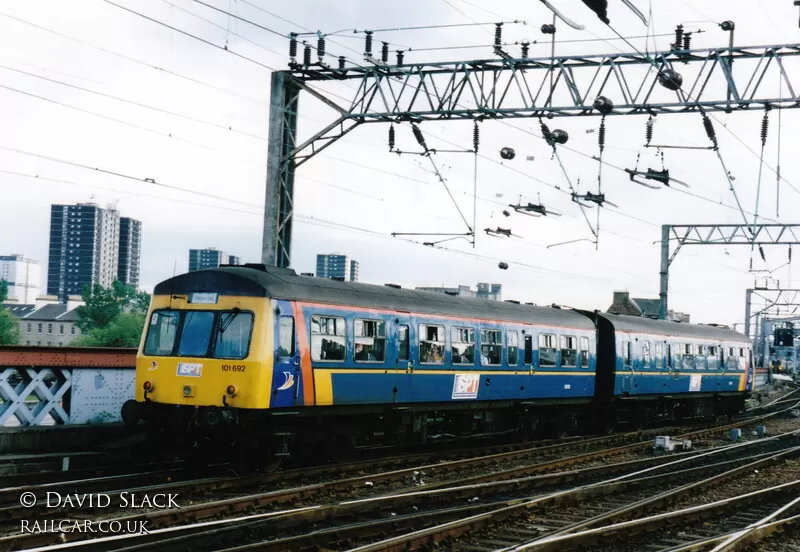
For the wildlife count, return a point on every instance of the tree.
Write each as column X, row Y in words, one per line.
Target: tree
column 124, row 331
column 103, row 306
column 9, row 325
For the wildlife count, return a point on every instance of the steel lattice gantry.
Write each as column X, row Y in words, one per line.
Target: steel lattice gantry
column 719, row 234
column 717, row 79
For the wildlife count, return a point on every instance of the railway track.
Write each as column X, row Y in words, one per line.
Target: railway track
column 459, row 498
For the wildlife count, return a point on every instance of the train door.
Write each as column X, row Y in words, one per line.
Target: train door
column 527, row 360
column 286, row 372
column 626, row 357
column 402, row 390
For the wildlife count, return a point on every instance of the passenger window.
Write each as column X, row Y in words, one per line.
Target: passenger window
column 328, row 338
column 462, row 345
column 196, row 334
column 513, row 347
column 584, row 352
column 569, row 352
column 286, row 347
column 646, row 353
column 547, row 350
column 626, row 352
column 161, row 333
column 233, row 335
column 688, row 356
column 712, row 357
column 491, row 347
column 669, row 356
column 659, row 355
column 528, row 349
column 370, row 340
column 431, row 344
column 402, row 342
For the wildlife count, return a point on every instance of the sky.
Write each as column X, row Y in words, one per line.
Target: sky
column 95, row 100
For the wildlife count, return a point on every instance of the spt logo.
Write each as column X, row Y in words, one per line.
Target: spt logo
column 465, row 386
column 190, row 369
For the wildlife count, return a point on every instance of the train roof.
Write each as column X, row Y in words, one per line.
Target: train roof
column 668, row 328
column 282, row 283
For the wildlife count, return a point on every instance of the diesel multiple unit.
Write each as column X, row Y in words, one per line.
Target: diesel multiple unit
column 271, row 360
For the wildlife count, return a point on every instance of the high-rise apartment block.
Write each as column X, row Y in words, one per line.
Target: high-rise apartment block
column 23, row 276
column 338, row 267
column 211, row 257
column 130, row 247
column 85, row 248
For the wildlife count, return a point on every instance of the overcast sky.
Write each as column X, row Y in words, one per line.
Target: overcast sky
column 88, row 83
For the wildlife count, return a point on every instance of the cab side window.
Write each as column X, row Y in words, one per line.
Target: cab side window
column 286, row 346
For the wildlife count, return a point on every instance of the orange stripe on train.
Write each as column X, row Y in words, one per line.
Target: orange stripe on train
column 305, row 355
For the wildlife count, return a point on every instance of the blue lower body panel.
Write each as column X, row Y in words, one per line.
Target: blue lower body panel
column 401, row 387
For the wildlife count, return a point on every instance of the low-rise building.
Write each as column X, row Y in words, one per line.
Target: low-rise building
column 484, row 291
column 51, row 325
column 637, row 306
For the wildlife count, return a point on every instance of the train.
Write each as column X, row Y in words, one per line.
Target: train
column 276, row 364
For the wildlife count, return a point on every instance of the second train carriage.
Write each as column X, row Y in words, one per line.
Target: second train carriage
column 252, row 352
column 669, row 370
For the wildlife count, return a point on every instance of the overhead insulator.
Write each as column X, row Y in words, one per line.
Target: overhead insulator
column 476, row 137
column 761, row 251
column 649, row 130
column 391, row 137
column 546, row 134
column 525, row 46
column 498, row 35
column 321, row 48
column 307, row 55
column 385, row 52
column 508, row 153
column 601, row 134
column 790, row 253
column 559, row 136
column 727, row 25
column 293, row 45
column 764, row 128
column 368, row 44
column 548, row 29
column 418, row 135
column 502, row 266
column 603, row 105
column 687, row 41
column 670, row 79
column 710, row 132
column 342, row 59
column 678, row 37
column 400, row 55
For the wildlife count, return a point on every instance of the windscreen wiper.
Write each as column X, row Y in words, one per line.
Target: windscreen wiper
column 227, row 322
